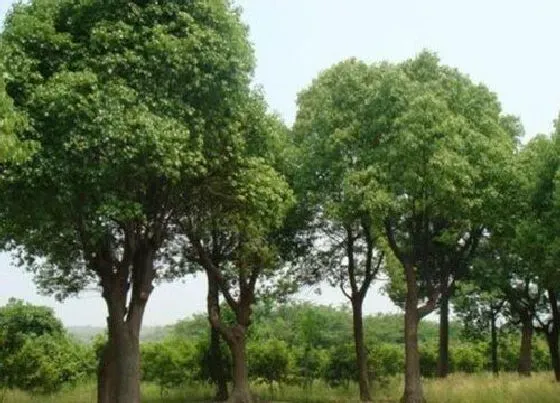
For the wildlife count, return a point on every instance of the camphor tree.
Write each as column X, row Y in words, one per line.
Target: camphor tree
column 331, row 134
column 236, row 229
column 443, row 160
column 132, row 105
column 539, row 234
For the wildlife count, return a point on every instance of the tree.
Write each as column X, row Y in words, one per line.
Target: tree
column 330, row 135
column 538, row 234
column 133, row 106
column 237, row 232
column 480, row 309
column 443, row 160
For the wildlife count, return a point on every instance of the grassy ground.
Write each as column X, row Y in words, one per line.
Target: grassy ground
column 481, row 388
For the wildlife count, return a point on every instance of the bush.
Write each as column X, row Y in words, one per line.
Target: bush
column 467, row 357
column 170, row 363
column 386, row 360
column 46, row 363
column 341, row 367
column 428, row 359
column 309, row 364
column 269, row 360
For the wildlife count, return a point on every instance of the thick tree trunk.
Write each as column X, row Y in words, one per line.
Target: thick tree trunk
column 241, row 392
column 494, row 344
column 413, row 392
column 128, row 364
column 443, row 357
column 525, row 363
column 106, row 375
column 361, row 352
column 217, row 368
column 124, row 339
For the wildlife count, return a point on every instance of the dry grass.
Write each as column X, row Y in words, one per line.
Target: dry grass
column 458, row 388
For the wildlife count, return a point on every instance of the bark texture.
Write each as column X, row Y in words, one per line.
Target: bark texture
column 106, row 375
column 443, row 356
column 361, row 352
column 217, row 367
column 494, row 343
column 525, row 363
column 413, row 392
column 552, row 335
column 241, row 392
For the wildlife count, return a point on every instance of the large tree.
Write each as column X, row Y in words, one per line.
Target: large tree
column 538, row 233
column 443, row 159
column 331, row 137
column 133, row 105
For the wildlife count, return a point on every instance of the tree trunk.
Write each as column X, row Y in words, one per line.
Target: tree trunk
column 128, row 364
column 361, row 352
column 554, row 358
column 494, row 344
column 552, row 335
column 106, row 375
column 124, row 339
column 412, row 381
column 217, row 369
column 241, row 392
column 443, row 358
column 525, row 363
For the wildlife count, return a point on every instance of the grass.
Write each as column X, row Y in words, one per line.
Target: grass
column 458, row 388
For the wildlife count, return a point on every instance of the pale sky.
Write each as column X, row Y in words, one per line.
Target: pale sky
column 511, row 46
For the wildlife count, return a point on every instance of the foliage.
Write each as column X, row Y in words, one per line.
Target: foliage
column 341, row 367
column 170, row 364
column 36, row 354
column 269, row 361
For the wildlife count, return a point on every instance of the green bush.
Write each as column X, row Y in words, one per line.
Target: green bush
column 46, row 363
column 269, row 360
column 341, row 367
column 428, row 359
column 169, row 364
column 386, row 360
column 467, row 357
column 309, row 364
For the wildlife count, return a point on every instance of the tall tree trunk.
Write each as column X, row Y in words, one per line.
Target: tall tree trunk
column 525, row 364
column 443, row 357
column 361, row 352
column 552, row 335
column 106, row 375
column 413, row 392
column 236, row 341
column 217, row 368
column 494, row 343
column 128, row 364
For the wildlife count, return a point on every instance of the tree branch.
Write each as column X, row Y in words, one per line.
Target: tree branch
column 213, row 270
column 390, row 232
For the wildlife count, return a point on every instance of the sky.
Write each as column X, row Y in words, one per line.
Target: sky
column 510, row 45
